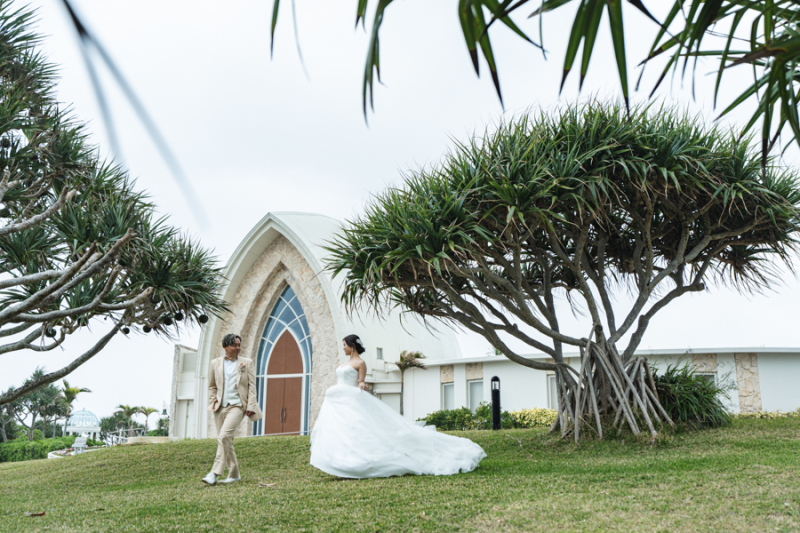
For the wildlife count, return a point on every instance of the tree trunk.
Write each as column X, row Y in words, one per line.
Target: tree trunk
column 401, row 393
column 30, row 429
column 605, row 389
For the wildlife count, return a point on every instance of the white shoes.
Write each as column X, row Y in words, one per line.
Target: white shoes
column 231, row 480
column 210, row 479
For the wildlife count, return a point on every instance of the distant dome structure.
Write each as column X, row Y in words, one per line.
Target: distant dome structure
column 83, row 423
column 83, row 418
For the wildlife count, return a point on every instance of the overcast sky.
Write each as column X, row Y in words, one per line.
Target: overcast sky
column 256, row 135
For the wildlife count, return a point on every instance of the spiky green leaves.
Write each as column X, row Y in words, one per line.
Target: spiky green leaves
column 43, row 155
column 550, row 201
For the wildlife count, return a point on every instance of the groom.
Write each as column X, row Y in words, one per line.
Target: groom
column 231, row 397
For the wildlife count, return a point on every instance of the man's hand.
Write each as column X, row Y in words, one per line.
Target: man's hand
column 249, row 413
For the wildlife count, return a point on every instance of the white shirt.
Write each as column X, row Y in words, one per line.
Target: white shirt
column 230, row 394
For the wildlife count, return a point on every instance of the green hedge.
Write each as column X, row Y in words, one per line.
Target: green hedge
column 460, row 419
column 24, row 450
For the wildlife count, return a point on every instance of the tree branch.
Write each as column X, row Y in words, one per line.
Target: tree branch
column 66, row 195
column 476, row 316
column 47, row 293
column 520, row 310
column 644, row 320
column 88, row 258
column 30, row 278
column 5, row 185
column 494, row 339
column 22, row 343
column 16, row 329
column 13, row 394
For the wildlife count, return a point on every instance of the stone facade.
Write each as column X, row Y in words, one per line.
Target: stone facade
column 705, row 363
column 446, row 373
column 474, row 371
column 279, row 265
column 747, row 380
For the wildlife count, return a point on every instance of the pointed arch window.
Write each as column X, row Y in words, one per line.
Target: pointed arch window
column 287, row 316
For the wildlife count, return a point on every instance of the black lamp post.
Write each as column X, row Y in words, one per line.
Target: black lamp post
column 495, row 403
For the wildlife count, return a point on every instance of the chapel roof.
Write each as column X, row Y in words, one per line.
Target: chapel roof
column 309, row 233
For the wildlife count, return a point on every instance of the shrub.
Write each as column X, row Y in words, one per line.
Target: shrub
column 450, row 419
column 691, row 399
column 483, row 418
column 532, row 418
column 770, row 415
column 463, row 418
column 25, row 450
column 37, row 434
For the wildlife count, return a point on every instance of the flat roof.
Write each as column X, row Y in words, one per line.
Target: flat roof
column 684, row 351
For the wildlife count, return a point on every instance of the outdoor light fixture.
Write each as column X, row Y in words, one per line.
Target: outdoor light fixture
column 495, row 403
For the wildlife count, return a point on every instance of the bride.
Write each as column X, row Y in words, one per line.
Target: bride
column 358, row 436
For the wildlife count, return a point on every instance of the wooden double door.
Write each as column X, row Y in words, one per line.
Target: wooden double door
column 283, row 412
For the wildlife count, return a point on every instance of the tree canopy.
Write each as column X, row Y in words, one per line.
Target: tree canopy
column 578, row 203
column 78, row 242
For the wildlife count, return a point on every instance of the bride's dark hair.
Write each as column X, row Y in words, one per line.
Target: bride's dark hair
column 355, row 343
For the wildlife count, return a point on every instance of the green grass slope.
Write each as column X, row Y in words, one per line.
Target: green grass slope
column 743, row 478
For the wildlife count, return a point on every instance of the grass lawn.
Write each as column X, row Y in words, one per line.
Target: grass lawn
column 742, row 478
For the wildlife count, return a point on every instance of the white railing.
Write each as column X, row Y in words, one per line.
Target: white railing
column 121, row 436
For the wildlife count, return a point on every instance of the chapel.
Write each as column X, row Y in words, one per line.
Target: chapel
column 285, row 305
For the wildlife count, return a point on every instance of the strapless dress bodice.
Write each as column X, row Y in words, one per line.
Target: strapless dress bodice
column 347, row 375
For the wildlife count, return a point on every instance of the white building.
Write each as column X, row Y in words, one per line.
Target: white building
column 757, row 379
column 287, row 310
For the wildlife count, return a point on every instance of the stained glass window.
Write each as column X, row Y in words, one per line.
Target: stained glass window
column 287, row 313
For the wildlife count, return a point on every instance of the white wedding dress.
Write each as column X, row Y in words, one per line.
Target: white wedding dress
column 358, row 436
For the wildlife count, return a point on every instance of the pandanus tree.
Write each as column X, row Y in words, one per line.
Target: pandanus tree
column 77, row 241
column 407, row 360
column 574, row 206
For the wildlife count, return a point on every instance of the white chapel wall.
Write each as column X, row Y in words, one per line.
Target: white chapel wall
column 779, row 374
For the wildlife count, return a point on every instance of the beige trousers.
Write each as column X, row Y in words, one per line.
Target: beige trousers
column 227, row 420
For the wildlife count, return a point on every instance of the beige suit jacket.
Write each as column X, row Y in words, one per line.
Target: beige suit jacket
column 245, row 384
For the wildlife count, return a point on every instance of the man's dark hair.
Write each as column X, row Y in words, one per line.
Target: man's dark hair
column 229, row 339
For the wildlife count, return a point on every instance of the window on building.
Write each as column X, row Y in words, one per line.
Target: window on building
column 552, row 392
column 448, row 396
column 379, row 353
column 475, row 392
column 710, row 376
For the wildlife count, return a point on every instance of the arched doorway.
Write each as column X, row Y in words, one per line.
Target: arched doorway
column 283, row 369
column 283, row 409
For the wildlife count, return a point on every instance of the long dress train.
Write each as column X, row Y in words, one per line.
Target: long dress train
column 358, row 436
